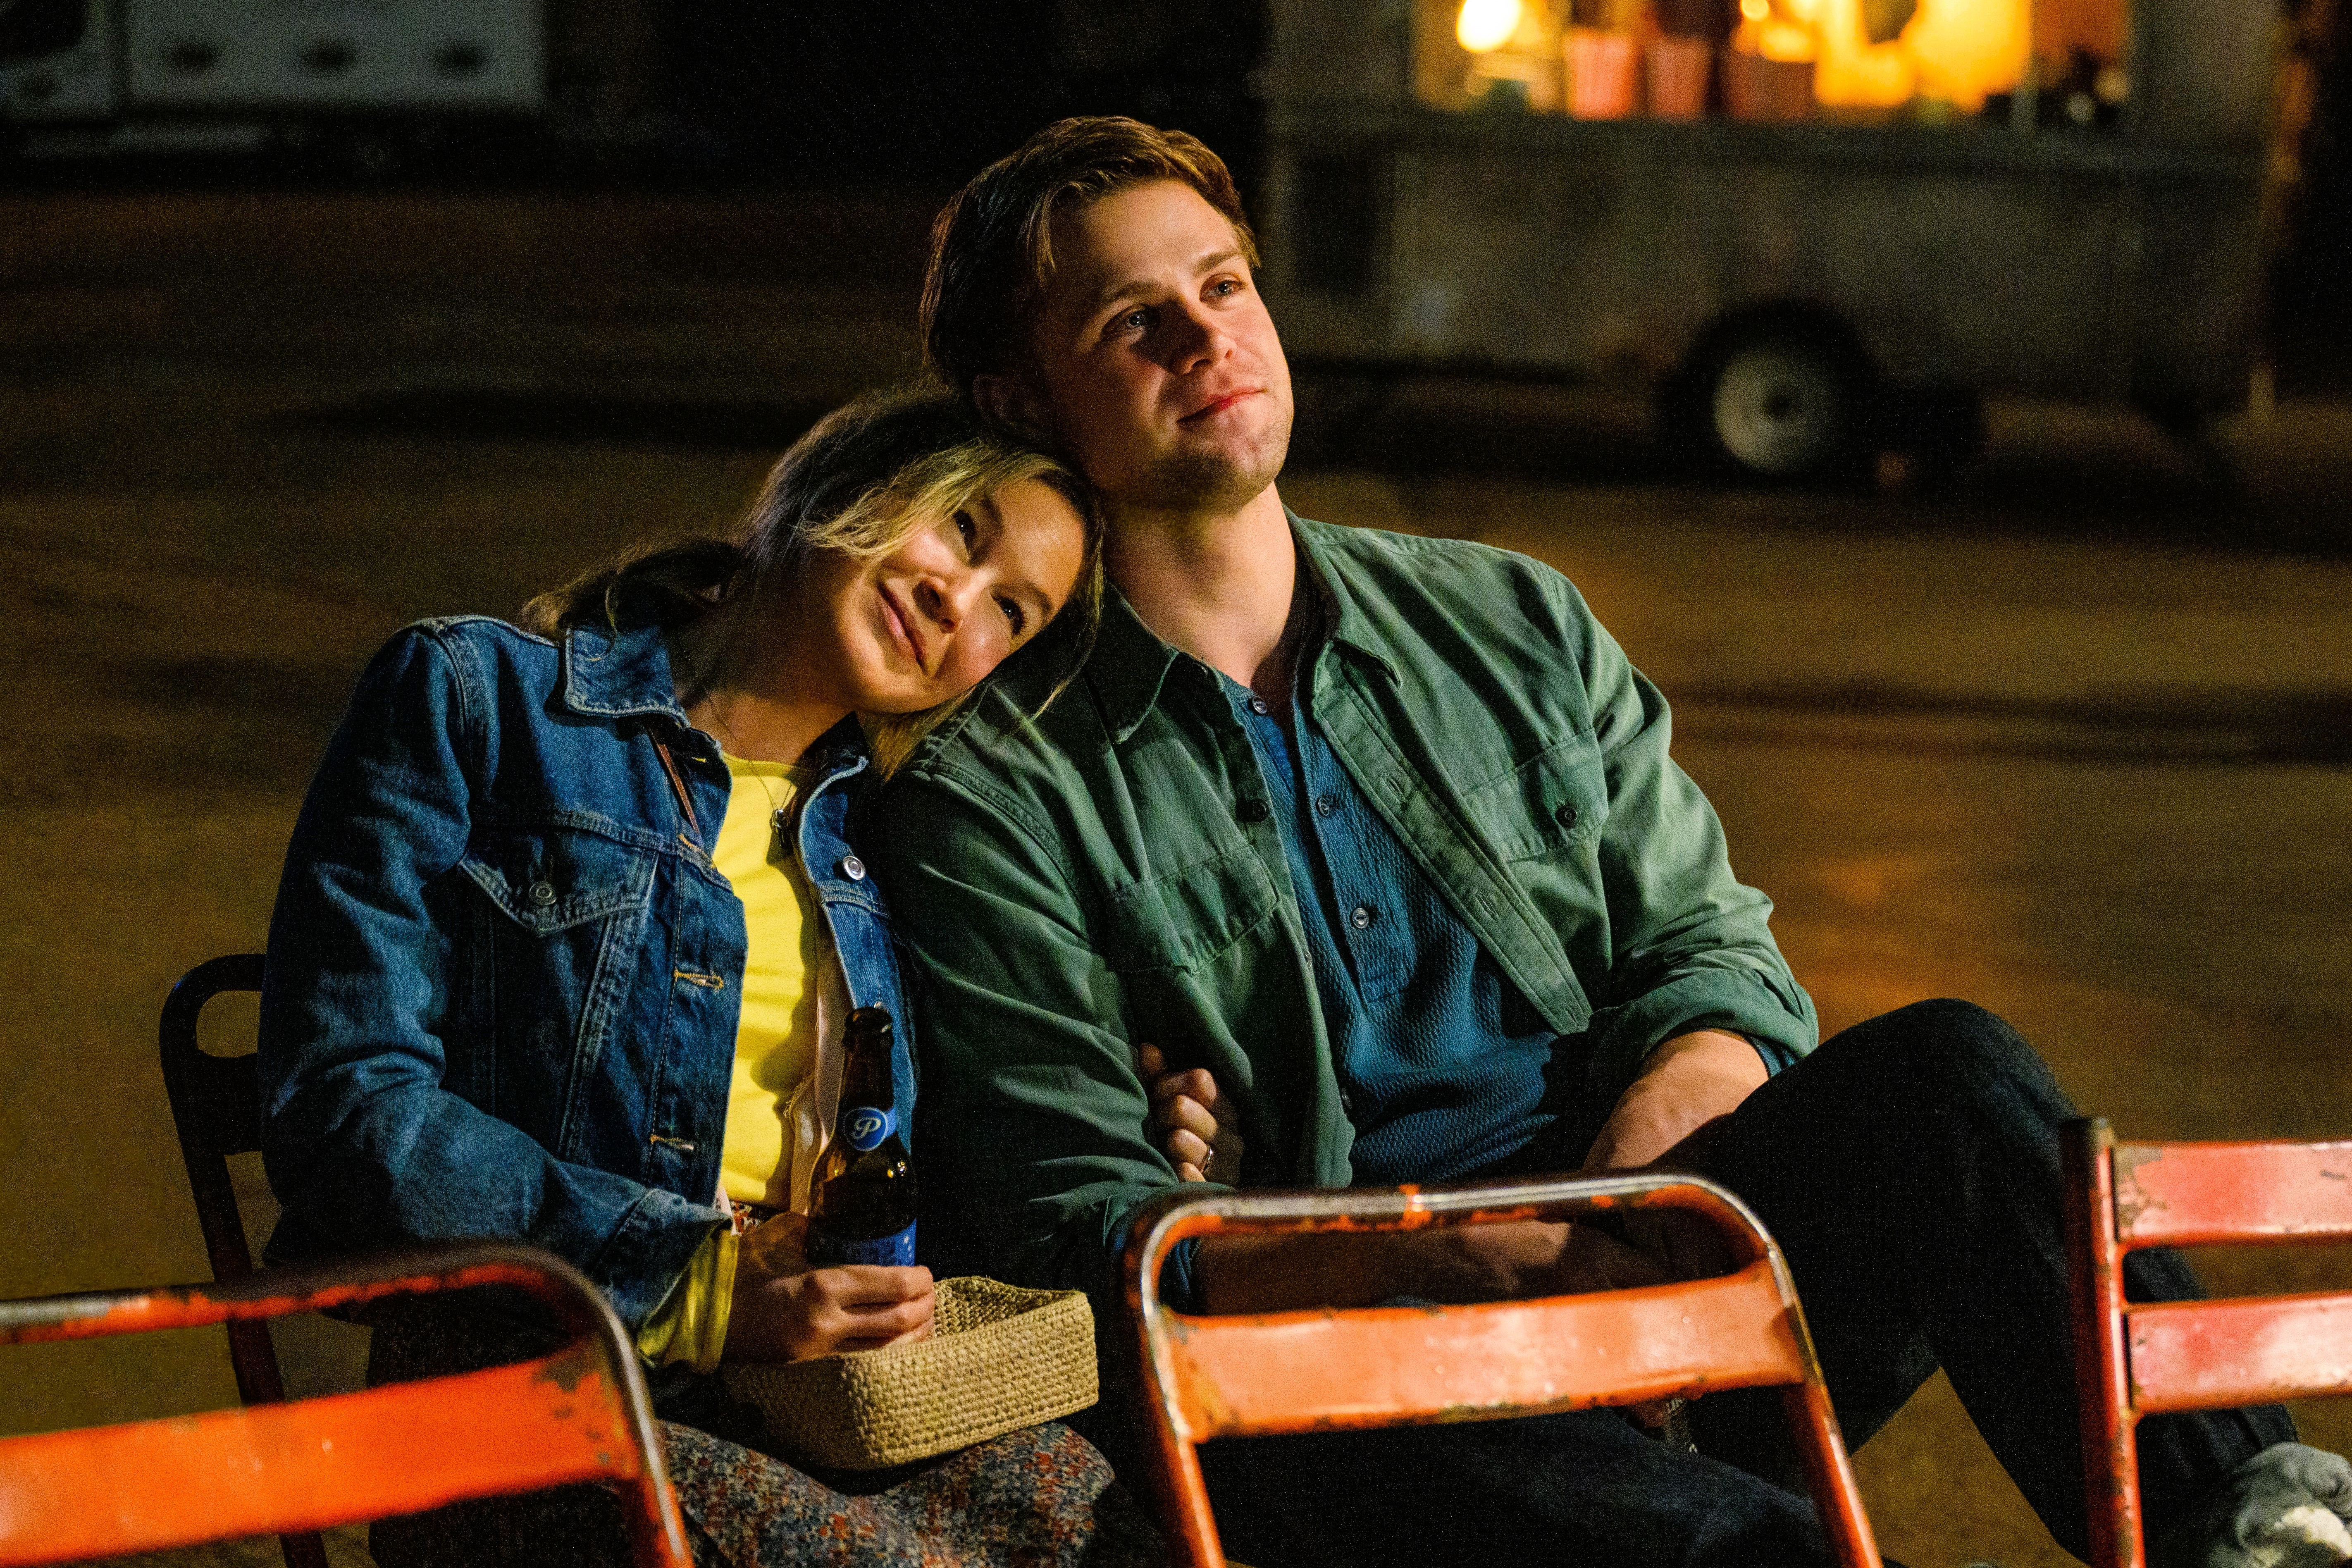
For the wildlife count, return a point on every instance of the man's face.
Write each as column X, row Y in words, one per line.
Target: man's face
column 1160, row 371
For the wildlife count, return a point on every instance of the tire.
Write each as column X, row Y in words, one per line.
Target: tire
column 1783, row 405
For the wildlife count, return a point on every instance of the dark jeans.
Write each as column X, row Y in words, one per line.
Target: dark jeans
column 1909, row 1169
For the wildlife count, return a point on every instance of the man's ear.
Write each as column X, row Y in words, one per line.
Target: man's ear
column 1012, row 402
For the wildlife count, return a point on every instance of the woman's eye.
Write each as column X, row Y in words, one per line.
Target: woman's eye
column 1014, row 614
column 965, row 526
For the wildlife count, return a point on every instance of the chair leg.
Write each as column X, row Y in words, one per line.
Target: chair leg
column 308, row 1550
column 1837, row 1496
column 2110, row 1445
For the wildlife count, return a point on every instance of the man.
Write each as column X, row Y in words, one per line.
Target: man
column 1381, row 838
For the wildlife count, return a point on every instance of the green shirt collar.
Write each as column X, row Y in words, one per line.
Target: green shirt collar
column 1131, row 661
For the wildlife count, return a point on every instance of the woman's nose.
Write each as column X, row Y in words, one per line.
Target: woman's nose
column 946, row 598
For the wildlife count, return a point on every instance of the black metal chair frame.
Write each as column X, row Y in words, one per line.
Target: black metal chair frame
column 216, row 1107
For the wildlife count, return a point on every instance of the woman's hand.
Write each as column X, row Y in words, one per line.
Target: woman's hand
column 786, row 1310
column 1198, row 1128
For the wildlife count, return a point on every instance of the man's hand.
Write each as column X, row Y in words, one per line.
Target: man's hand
column 786, row 1310
column 1198, row 1128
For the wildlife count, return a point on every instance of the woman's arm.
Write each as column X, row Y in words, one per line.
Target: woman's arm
column 363, row 1144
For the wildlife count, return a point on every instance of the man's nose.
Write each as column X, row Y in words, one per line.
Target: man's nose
column 1199, row 340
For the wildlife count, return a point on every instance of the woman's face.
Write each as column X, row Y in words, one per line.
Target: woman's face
column 923, row 623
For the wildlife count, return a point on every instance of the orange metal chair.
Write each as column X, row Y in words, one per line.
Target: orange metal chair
column 1296, row 1372
column 2140, row 1359
column 577, row 1414
column 216, row 1108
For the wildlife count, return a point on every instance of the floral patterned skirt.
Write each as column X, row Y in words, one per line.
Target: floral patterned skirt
column 1043, row 1497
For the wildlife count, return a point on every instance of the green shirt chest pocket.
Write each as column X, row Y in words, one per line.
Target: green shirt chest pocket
column 1189, row 918
column 1556, row 800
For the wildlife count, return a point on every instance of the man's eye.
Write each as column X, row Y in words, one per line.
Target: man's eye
column 965, row 526
column 1135, row 320
column 1014, row 614
column 1224, row 286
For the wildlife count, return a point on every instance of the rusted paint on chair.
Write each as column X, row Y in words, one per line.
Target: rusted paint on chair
column 1298, row 1372
column 578, row 1414
column 2134, row 1361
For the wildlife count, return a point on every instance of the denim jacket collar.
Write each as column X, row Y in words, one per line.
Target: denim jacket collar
column 1131, row 661
column 626, row 673
column 614, row 674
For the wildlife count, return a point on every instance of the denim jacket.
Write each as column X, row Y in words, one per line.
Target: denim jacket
column 504, row 976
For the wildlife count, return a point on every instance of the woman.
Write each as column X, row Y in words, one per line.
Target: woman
column 569, row 927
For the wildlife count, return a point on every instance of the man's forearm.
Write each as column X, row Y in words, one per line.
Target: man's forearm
column 1465, row 1263
column 1687, row 1083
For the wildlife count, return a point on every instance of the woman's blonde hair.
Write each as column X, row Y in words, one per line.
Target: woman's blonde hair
column 865, row 478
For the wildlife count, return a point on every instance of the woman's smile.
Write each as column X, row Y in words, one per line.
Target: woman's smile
column 899, row 621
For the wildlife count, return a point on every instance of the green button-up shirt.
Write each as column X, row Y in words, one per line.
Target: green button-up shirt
column 1107, row 874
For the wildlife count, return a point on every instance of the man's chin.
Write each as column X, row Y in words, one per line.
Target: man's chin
column 1216, row 480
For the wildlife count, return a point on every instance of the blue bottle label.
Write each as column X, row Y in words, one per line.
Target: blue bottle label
column 865, row 1127
column 831, row 1252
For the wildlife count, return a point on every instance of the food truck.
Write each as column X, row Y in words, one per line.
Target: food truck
column 1817, row 227
column 361, row 76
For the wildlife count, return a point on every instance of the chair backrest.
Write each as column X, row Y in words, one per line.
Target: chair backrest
column 1291, row 1372
column 578, row 1414
column 2138, row 1359
column 216, row 1110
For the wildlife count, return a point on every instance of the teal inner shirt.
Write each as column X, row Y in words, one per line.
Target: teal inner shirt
column 1442, row 1065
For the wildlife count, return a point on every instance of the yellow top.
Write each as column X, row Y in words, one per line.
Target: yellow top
column 776, row 1042
column 776, row 1038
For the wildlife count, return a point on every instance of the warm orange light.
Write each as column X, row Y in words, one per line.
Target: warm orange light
column 1785, row 41
column 1967, row 48
column 1484, row 25
column 1954, row 51
column 1854, row 71
column 1754, row 10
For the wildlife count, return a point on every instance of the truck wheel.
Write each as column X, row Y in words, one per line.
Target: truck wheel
column 1783, row 405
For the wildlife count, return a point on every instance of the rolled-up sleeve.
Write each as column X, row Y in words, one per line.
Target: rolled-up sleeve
column 1691, row 946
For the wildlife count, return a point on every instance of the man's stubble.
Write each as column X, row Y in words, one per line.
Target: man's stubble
column 1214, row 483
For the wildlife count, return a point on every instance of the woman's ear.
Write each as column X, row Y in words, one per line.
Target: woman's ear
column 1010, row 402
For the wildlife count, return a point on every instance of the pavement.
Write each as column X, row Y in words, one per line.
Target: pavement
column 2066, row 734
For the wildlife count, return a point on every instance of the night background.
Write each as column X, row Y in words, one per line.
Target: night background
column 2042, row 696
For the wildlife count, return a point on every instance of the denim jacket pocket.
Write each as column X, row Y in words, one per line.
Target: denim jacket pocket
column 549, row 879
column 1554, row 800
column 566, row 913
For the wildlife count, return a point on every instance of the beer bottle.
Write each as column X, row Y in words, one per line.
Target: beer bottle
column 862, row 1203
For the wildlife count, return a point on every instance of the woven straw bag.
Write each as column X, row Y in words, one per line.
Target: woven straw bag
column 999, row 1358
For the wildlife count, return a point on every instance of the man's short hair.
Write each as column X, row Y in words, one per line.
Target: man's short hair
column 991, row 247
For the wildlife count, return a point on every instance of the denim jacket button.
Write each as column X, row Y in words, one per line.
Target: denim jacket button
column 543, row 893
column 853, row 868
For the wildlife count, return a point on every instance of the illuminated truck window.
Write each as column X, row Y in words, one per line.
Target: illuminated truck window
column 2017, row 63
